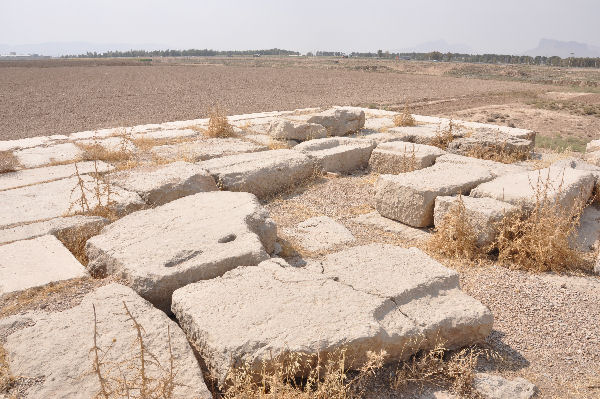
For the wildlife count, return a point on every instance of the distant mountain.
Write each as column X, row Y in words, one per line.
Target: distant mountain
column 56, row 49
column 549, row 48
column 437, row 45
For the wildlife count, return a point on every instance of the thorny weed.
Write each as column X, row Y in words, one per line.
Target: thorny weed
column 93, row 198
column 218, row 124
column 405, row 118
column 443, row 137
column 8, row 162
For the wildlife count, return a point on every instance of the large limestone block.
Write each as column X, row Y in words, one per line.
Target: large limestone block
column 320, row 233
column 420, row 134
column 409, row 197
column 519, row 133
column 592, row 146
column 193, row 238
column 27, row 177
column 158, row 185
column 206, row 148
column 490, row 386
column 521, row 189
column 379, row 123
column 495, row 168
column 493, row 141
column 167, row 134
column 283, row 129
column 405, row 232
column 393, row 298
column 60, row 198
column 261, row 173
column 111, row 144
column 339, row 154
column 52, row 226
column 62, row 360
column 35, row 263
column 482, row 214
column 399, row 157
column 340, row 121
column 40, row 156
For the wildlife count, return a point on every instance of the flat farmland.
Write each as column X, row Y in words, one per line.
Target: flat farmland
column 64, row 96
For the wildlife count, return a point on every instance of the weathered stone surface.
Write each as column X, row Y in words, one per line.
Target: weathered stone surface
column 167, row 134
column 10, row 145
column 409, row 197
column 283, row 129
column 320, row 233
column 406, row 232
column 593, row 157
column 261, row 173
column 60, row 198
column 270, row 142
column 588, row 231
column 52, row 226
column 158, row 185
column 35, row 263
column 399, row 157
column 64, row 340
column 483, row 214
column 486, row 127
column 340, row 121
column 113, row 144
column 379, row 123
column 393, row 298
column 40, row 156
column 377, row 137
column 193, row 238
column 563, row 185
column 497, row 387
column 492, row 141
column 28, row 177
column 495, row 168
column 421, row 134
column 592, row 146
column 206, row 148
column 339, row 154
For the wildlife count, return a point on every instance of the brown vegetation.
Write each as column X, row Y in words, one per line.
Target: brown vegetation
column 443, row 137
column 100, row 203
column 405, row 118
column 499, row 153
column 218, row 124
column 8, row 162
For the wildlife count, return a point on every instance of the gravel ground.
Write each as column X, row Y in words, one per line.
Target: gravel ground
column 68, row 98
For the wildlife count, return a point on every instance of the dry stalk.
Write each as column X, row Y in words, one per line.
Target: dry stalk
column 405, row 118
column 8, row 162
column 218, row 124
column 443, row 137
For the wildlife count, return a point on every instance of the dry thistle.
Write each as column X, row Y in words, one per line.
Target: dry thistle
column 405, row 118
column 8, row 162
column 218, row 125
column 443, row 137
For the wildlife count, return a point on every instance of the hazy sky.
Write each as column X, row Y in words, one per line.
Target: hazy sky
column 503, row 26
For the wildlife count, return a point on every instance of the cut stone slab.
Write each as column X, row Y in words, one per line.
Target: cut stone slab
column 40, row 156
column 420, row 134
column 115, row 144
column 494, row 141
column 564, row 185
column 339, row 154
column 406, row 232
column 158, row 185
column 320, row 233
column 254, row 313
column 59, row 198
column 27, row 177
column 399, row 157
column 268, row 141
column 35, row 263
column 283, row 129
column 261, row 173
column 206, row 148
column 339, row 121
column 410, row 197
column 497, row 387
column 52, row 226
column 167, row 134
column 592, row 146
column 495, row 168
column 64, row 340
column 482, row 214
column 588, row 231
column 379, row 123
column 193, row 238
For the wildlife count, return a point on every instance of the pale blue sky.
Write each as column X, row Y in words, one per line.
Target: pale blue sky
column 503, row 26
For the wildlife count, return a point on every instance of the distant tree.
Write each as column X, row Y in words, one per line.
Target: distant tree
column 380, row 53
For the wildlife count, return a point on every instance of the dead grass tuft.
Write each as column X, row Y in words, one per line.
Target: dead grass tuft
column 74, row 240
column 278, row 145
column 100, row 203
column 218, row 124
column 97, row 152
column 7, row 380
column 540, row 239
column 443, row 137
column 405, row 118
column 8, row 162
column 455, row 237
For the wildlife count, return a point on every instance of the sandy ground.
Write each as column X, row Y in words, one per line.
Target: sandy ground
column 48, row 98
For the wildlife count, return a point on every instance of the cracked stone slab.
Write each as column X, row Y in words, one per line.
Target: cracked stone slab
column 35, row 263
column 406, row 232
column 52, row 226
column 495, row 168
column 193, row 238
column 283, row 129
column 27, row 177
column 261, row 173
column 65, row 339
column 398, row 157
column 339, row 154
column 59, row 198
column 166, row 134
column 39, row 156
column 339, row 121
column 367, row 298
column 320, row 233
column 410, row 197
column 206, row 148
column 158, row 185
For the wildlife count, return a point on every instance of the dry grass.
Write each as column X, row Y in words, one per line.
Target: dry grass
column 74, row 240
column 97, row 152
column 499, row 153
column 540, row 239
column 218, row 124
column 101, row 203
column 455, row 237
column 7, row 380
column 405, row 118
column 443, row 137
column 278, row 145
column 8, row 162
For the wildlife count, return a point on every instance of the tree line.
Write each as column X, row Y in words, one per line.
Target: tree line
column 180, row 53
